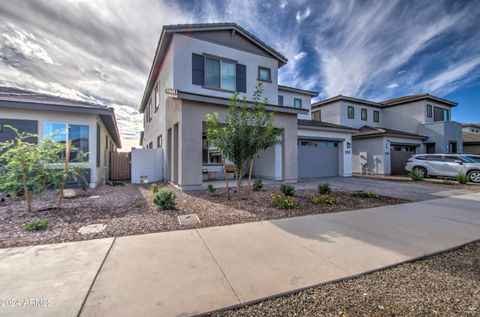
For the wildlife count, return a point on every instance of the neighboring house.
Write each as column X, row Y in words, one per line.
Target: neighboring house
column 392, row 130
column 471, row 138
column 92, row 128
column 196, row 69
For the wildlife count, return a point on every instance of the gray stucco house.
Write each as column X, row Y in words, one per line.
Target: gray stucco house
column 92, row 128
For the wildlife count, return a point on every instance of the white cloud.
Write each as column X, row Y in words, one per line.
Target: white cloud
column 299, row 56
column 392, row 86
column 302, row 15
column 283, row 4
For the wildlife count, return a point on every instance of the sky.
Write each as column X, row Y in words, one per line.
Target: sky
column 101, row 51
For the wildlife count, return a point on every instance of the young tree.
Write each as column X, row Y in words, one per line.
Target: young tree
column 248, row 130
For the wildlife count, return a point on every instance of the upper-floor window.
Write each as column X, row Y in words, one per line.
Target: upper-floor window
column 78, row 134
column 364, row 114
column 264, row 74
column 159, row 141
column 157, row 97
column 297, row 103
column 219, row 73
column 280, row 100
column 351, row 112
column 441, row 114
column 429, row 111
column 317, row 116
column 376, row 116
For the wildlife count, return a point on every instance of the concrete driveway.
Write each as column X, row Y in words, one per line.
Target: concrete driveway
column 414, row 191
column 190, row 272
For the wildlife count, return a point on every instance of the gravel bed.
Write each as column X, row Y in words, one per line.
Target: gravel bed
column 127, row 210
column 443, row 285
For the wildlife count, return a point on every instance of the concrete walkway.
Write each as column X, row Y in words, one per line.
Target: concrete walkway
column 189, row 272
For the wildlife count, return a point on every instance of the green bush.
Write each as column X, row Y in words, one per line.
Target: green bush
column 165, row 198
column 324, row 200
column 257, row 185
column 155, row 188
column 363, row 194
column 287, row 189
column 324, row 188
column 37, row 225
column 283, row 202
column 462, row 178
column 415, row 176
column 210, row 188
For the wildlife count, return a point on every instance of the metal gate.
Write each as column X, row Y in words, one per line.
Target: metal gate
column 119, row 166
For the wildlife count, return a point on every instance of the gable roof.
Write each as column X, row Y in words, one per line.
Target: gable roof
column 298, row 90
column 471, row 125
column 346, row 98
column 322, row 124
column 369, row 131
column 23, row 99
column 169, row 30
column 471, row 138
column 406, row 99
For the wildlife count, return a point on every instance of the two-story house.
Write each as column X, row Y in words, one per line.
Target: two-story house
column 196, row 69
column 392, row 130
column 471, row 138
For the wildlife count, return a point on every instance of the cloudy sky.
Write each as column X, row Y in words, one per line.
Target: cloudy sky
column 102, row 50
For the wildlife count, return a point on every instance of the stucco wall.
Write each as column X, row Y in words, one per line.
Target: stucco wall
column 441, row 133
column 337, row 113
column 91, row 120
column 288, row 98
column 369, row 156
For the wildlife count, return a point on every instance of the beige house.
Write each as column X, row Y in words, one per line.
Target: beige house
column 92, row 128
column 471, row 138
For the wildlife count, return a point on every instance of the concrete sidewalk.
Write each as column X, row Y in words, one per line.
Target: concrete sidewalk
column 189, row 272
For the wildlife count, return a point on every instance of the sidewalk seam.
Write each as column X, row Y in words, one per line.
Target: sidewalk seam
column 219, row 267
column 95, row 277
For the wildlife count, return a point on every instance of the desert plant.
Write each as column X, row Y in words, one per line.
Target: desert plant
column 154, row 188
column 37, row 225
column 287, row 189
column 462, row 177
column 165, row 198
column 283, row 202
column 257, row 185
column 363, row 194
column 324, row 188
column 415, row 176
column 210, row 188
column 324, row 200
column 248, row 130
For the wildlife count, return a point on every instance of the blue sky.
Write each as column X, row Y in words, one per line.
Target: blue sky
column 102, row 50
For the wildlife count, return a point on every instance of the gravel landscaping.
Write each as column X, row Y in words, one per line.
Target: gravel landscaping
column 443, row 285
column 127, row 210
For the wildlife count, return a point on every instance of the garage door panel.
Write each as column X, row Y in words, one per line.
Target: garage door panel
column 398, row 157
column 317, row 161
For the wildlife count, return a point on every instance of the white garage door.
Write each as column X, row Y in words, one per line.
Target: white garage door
column 317, row 158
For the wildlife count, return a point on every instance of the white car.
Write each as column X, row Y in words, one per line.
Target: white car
column 446, row 165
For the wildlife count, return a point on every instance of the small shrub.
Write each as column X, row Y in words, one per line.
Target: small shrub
column 287, row 189
column 462, row 178
column 37, row 225
column 210, row 188
column 415, row 176
column 165, row 198
column 363, row 194
column 283, row 202
column 257, row 185
column 324, row 200
column 155, row 188
column 324, row 188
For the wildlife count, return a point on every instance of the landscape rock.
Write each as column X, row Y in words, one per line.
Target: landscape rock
column 69, row 193
column 94, row 228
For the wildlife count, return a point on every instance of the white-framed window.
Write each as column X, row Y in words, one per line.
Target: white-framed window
column 77, row 133
column 351, row 112
column 220, row 73
column 157, row 96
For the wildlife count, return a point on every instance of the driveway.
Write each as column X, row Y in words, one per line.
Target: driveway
column 190, row 272
column 414, row 191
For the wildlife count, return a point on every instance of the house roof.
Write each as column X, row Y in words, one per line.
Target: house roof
column 23, row 99
column 346, row 98
column 471, row 138
column 169, row 30
column 298, row 90
column 471, row 125
column 370, row 132
column 406, row 99
column 321, row 124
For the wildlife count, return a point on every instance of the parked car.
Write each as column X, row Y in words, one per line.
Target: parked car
column 446, row 165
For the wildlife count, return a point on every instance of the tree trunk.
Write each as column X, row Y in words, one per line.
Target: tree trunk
column 64, row 176
column 249, row 189
column 226, row 177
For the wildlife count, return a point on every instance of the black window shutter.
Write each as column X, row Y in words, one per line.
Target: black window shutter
column 241, row 78
column 198, row 69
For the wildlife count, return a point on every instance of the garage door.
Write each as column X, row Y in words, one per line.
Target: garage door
column 398, row 156
column 317, row 158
